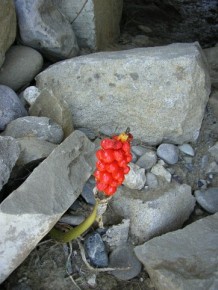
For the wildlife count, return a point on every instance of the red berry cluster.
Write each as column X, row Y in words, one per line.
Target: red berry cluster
column 111, row 165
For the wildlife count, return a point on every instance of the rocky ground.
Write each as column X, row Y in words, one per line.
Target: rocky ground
column 170, row 187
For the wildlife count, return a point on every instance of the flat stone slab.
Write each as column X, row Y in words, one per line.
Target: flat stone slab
column 159, row 92
column 184, row 259
column 30, row 211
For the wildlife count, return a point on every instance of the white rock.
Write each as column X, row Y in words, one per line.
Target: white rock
column 136, row 178
column 167, row 82
column 30, row 94
column 159, row 170
column 187, row 149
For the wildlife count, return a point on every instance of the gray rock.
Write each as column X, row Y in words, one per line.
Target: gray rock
column 139, row 150
column 117, row 235
column 134, row 157
column 33, row 149
column 213, row 102
column 154, row 212
column 212, row 168
column 8, row 27
column 168, row 152
column 30, row 211
column 72, row 220
column 48, row 105
column 10, row 106
column 21, row 65
column 9, row 153
column 30, row 94
column 91, row 134
column 147, row 160
column 136, row 178
column 104, row 86
column 214, row 151
column 208, row 199
column 187, row 149
column 95, row 250
column 212, row 56
column 98, row 23
column 159, row 170
column 87, row 193
column 184, row 259
column 124, row 257
column 151, row 180
column 43, row 27
column 40, row 127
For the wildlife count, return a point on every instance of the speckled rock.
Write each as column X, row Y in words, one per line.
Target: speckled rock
column 187, row 149
column 30, row 94
column 40, row 127
column 168, row 152
column 208, row 199
column 154, row 212
column 21, row 65
column 124, row 257
column 167, row 82
column 9, row 153
column 10, row 106
column 159, row 170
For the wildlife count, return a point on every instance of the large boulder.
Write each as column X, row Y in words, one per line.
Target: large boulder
column 160, row 92
column 8, row 27
column 30, row 211
column 43, row 27
column 184, row 259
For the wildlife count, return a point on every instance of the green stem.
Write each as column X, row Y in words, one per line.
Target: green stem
column 74, row 233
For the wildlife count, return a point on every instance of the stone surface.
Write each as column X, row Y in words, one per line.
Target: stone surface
column 213, row 102
column 10, row 106
column 167, row 82
column 72, row 220
column 168, row 152
column 154, row 212
column 48, row 105
column 159, row 170
column 138, row 150
column 184, row 259
column 31, row 211
column 40, row 127
column 208, row 199
column 21, row 65
column 136, row 178
column 33, row 149
column 214, row 151
column 9, row 153
column 95, row 250
column 43, row 27
column 8, row 26
column 96, row 23
column 87, row 192
column 147, row 160
column 117, row 235
column 151, row 180
column 30, row 94
column 187, row 149
column 124, row 257
column 212, row 58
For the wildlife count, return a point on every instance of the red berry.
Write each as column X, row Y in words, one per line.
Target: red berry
column 112, row 167
column 117, row 145
column 126, row 170
column 119, row 155
column 118, row 174
column 114, row 183
column 106, row 178
column 108, row 155
column 128, row 157
column 100, row 154
column 101, row 186
column 123, row 163
column 97, row 174
column 107, row 144
column 101, row 166
column 126, row 147
column 110, row 190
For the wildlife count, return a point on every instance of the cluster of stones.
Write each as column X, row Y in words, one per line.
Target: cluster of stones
column 37, row 123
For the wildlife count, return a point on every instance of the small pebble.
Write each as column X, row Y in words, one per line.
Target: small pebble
column 147, row 160
column 95, row 250
column 169, row 153
column 87, row 193
column 187, row 149
column 202, row 184
column 136, row 178
column 30, row 94
column 214, row 151
column 123, row 257
column 72, row 220
column 151, row 180
column 139, row 150
column 159, row 170
column 134, row 157
column 208, row 199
